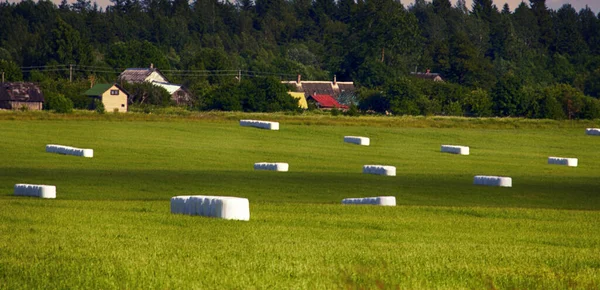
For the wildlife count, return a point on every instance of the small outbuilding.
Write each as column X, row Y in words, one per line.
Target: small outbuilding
column 14, row 96
column 113, row 97
column 179, row 94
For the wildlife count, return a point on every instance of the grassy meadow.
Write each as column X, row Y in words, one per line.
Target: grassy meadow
column 111, row 227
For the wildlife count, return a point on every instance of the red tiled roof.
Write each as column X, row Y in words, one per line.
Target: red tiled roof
column 327, row 101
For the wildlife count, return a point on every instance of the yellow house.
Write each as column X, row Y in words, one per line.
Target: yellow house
column 301, row 99
column 112, row 96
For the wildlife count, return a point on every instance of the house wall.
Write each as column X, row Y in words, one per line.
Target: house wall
column 112, row 102
column 301, row 99
column 13, row 105
column 181, row 97
column 156, row 77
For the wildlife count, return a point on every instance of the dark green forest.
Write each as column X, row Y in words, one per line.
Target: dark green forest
column 526, row 61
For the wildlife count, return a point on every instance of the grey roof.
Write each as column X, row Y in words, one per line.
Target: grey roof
column 346, row 87
column 137, row 75
column 323, row 87
column 22, row 92
column 318, row 88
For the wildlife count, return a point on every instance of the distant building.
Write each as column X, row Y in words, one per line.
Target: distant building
column 332, row 88
column 179, row 94
column 140, row 75
column 14, row 96
column 113, row 97
column 302, row 104
column 428, row 76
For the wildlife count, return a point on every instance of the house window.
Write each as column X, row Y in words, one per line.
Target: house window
column 114, row 92
column 122, row 105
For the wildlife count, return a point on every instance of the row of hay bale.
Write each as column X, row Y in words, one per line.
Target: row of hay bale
column 260, row 124
column 388, row 170
column 68, row 150
column 49, row 191
column 236, row 208
column 592, row 131
column 35, row 190
column 225, row 207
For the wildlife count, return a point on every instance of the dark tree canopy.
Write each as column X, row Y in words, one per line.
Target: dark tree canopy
column 495, row 61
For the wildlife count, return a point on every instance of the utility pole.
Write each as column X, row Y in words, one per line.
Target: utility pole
column 239, row 76
column 2, row 76
column 70, row 73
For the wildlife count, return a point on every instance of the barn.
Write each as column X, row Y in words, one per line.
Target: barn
column 14, row 96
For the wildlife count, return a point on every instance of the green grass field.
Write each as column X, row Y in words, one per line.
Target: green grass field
column 111, row 227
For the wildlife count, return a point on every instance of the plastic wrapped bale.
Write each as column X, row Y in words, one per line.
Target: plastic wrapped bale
column 493, row 180
column 35, row 190
column 380, row 170
column 379, row 200
column 454, row 149
column 260, row 124
column 68, row 150
column 364, row 141
column 276, row 166
column 563, row 161
column 592, row 131
column 225, row 207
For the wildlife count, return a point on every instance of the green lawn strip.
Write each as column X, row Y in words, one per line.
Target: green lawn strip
column 120, row 244
column 110, row 226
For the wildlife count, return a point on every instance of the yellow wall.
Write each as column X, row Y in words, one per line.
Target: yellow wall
column 112, row 102
column 301, row 99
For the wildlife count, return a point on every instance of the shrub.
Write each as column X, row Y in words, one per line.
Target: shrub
column 99, row 107
column 352, row 111
column 59, row 103
column 478, row 103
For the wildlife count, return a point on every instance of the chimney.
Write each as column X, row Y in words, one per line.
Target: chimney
column 299, row 79
column 151, row 65
column 334, row 80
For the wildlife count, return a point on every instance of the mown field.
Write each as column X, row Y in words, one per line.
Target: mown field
column 111, row 227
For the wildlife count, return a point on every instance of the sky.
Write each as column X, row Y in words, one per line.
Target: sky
column 552, row 4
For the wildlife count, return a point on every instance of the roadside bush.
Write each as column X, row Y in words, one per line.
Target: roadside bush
column 148, row 94
column 478, row 103
column 99, row 107
column 252, row 95
column 59, row 103
column 352, row 111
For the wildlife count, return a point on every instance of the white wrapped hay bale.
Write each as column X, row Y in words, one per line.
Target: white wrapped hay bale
column 454, row 149
column 225, row 207
column 592, row 131
column 260, row 124
column 364, row 141
column 493, row 180
column 379, row 200
column 563, row 161
column 380, row 170
column 68, row 150
column 42, row 191
column 275, row 166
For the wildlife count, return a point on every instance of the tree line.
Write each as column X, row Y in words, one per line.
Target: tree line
column 531, row 61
